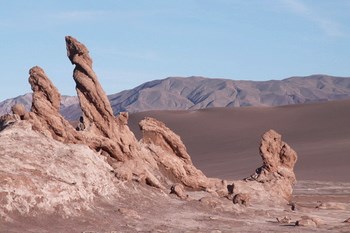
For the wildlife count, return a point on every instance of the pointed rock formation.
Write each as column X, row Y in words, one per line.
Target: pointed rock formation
column 45, row 112
column 274, row 180
column 97, row 111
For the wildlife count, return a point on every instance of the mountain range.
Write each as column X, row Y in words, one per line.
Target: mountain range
column 191, row 93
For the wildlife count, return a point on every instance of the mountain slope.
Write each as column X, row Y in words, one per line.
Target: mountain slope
column 191, row 93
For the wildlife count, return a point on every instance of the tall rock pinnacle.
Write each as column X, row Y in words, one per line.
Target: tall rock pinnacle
column 98, row 115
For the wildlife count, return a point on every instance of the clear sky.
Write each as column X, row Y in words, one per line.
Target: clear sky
column 132, row 42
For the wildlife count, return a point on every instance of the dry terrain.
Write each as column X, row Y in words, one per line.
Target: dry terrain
column 221, row 140
column 99, row 177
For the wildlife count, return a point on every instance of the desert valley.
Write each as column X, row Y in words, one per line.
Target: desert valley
column 176, row 155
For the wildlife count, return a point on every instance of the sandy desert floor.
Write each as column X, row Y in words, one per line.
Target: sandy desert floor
column 224, row 142
column 153, row 211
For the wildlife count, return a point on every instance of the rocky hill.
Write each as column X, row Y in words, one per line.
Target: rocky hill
column 176, row 93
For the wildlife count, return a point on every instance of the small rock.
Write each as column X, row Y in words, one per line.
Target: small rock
column 347, row 220
column 19, row 110
column 293, row 206
column 307, row 221
column 241, row 199
column 285, row 219
column 178, row 189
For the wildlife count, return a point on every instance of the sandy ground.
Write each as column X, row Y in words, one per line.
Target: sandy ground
column 153, row 211
column 224, row 142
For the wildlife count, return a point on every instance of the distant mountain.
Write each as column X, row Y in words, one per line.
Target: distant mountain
column 69, row 105
column 177, row 93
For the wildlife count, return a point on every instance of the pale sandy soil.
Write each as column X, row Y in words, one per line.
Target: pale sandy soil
column 152, row 211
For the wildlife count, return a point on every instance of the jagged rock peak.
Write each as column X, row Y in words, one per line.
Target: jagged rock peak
column 74, row 48
column 98, row 115
column 94, row 103
column 43, row 89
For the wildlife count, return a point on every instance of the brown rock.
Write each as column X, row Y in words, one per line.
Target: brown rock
column 157, row 133
column 178, row 189
column 123, row 118
column 7, row 119
column 160, row 159
column 170, row 153
column 347, row 220
column 274, row 180
column 307, row 221
column 277, row 156
column 241, row 199
column 19, row 110
column 45, row 115
column 97, row 111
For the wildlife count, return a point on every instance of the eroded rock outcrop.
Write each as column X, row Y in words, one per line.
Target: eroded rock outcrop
column 159, row 160
column 98, row 116
column 171, row 154
column 45, row 111
column 274, row 180
column 40, row 175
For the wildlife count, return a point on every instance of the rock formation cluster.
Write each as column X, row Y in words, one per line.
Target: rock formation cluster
column 159, row 159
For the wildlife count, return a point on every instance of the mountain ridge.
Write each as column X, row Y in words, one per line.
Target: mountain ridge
column 196, row 92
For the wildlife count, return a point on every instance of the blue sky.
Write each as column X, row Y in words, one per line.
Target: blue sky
column 132, row 42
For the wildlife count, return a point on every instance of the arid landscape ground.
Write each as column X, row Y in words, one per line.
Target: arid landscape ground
column 211, row 170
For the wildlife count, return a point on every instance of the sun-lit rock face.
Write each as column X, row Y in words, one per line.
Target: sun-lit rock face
column 274, row 180
column 45, row 111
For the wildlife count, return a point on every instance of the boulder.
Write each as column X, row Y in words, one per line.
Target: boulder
column 178, row 190
column 307, row 221
column 241, row 199
column 19, row 109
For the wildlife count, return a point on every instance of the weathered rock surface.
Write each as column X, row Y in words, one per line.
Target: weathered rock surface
column 19, row 110
column 171, row 154
column 178, row 190
column 7, row 120
column 307, row 221
column 40, row 175
column 44, row 115
column 274, row 180
column 119, row 142
column 159, row 160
